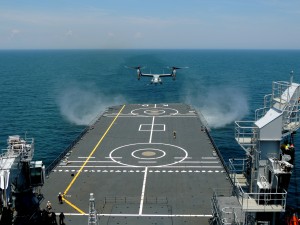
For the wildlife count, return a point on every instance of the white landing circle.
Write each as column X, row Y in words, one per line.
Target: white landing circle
column 159, row 111
column 148, row 155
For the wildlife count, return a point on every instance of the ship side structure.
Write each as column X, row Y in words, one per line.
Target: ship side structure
column 20, row 181
column 261, row 179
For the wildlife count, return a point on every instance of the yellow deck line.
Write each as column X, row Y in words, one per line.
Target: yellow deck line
column 86, row 161
column 73, row 206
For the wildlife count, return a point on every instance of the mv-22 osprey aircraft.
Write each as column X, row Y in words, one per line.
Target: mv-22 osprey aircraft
column 156, row 78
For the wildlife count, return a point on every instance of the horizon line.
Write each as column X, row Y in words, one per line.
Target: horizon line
column 137, row 49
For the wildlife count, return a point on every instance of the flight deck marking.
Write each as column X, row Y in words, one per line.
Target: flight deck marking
column 138, row 171
column 128, row 147
column 200, row 162
column 136, row 215
column 84, row 157
column 158, row 111
column 156, row 127
column 143, row 192
column 126, row 166
column 150, row 139
column 181, row 157
column 150, row 152
column 93, row 161
column 91, row 154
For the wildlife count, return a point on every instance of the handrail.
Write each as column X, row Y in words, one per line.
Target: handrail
column 218, row 152
column 262, row 199
column 54, row 163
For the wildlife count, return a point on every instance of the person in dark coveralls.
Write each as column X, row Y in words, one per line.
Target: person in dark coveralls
column 60, row 198
column 61, row 218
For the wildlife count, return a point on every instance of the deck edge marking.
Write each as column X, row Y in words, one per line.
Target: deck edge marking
column 88, row 158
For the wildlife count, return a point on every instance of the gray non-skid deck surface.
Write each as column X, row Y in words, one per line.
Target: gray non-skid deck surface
column 138, row 172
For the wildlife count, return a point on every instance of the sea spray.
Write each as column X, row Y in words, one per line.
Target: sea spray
column 80, row 105
column 220, row 105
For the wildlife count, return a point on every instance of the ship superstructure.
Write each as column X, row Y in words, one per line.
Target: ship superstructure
column 20, row 181
column 261, row 179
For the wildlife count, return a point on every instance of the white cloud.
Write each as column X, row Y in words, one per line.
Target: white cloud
column 110, row 35
column 226, row 26
column 69, row 33
column 14, row 32
column 138, row 35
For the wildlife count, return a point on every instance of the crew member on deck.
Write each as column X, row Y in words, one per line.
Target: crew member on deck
column 48, row 206
column 60, row 198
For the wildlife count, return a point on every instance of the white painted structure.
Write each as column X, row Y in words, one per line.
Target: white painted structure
column 261, row 179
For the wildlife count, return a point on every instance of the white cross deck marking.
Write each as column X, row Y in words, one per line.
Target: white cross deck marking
column 156, row 127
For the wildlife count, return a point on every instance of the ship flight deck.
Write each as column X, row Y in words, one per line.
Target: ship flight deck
column 138, row 171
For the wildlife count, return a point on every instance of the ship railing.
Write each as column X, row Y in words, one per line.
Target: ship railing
column 21, row 147
column 268, row 101
column 286, row 98
column 54, row 163
column 230, row 216
column 259, row 113
column 203, row 120
column 262, row 202
column 246, row 134
column 217, row 150
column 237, row 165
column 25, row 156
column 291, row 118
column 6, row 153
column 280, row 93
column 9, row 153
column 237, row 169
column 222, row 214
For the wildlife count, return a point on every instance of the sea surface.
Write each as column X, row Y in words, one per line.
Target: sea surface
column 52, row 95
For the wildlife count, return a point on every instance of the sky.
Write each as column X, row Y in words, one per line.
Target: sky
column 148, row 24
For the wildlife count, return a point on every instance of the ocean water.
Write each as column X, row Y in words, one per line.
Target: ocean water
column 52, row 95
